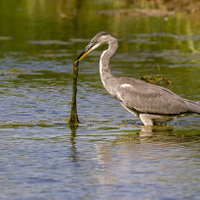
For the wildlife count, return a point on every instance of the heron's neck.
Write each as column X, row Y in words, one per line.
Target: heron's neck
column 104, row 67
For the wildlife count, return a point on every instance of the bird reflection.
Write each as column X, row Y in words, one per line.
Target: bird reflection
column 137, row 155
column 154, row 130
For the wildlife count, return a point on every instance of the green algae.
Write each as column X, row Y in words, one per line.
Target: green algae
column 73, row 120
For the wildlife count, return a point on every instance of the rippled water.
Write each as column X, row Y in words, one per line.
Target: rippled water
column 110, row 155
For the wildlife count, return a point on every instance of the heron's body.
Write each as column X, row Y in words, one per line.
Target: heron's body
column 151, row 103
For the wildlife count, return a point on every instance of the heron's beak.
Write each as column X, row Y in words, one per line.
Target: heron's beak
column 86, row 51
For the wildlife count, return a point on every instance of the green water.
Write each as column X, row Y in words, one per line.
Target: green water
column 109, row 156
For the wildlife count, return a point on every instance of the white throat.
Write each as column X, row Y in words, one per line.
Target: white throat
column 101, row 68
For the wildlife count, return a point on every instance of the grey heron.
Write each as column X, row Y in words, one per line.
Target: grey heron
column 151, row 103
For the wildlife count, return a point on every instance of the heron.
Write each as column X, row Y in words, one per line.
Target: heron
column 153, row 104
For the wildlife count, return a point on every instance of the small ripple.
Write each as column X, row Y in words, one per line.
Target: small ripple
column 48, row 42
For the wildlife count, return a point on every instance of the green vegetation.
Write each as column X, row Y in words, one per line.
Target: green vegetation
column 73, row 120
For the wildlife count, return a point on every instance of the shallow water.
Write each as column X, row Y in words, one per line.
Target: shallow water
column 109, row 156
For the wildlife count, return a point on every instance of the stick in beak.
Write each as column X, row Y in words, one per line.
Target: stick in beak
column 86, row 51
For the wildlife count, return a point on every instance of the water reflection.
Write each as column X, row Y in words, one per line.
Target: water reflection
column 73, row 143
column 149, row 131
column 162, row 134
column 142, row 162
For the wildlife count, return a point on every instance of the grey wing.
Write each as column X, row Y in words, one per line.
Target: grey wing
column 147, row 98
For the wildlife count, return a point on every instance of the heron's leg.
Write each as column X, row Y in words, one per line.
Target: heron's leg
column 146, row 119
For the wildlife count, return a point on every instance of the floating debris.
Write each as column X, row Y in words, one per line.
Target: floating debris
column 13, row 73
column 161, row 81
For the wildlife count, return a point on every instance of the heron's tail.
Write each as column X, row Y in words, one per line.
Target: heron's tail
column 194, row 107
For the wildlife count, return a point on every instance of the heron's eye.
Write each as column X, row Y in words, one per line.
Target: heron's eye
column 94, row 41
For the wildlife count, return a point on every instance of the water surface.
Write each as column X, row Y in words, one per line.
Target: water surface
column 109, row 156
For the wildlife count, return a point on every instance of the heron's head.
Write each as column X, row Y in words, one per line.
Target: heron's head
column 98, row 40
